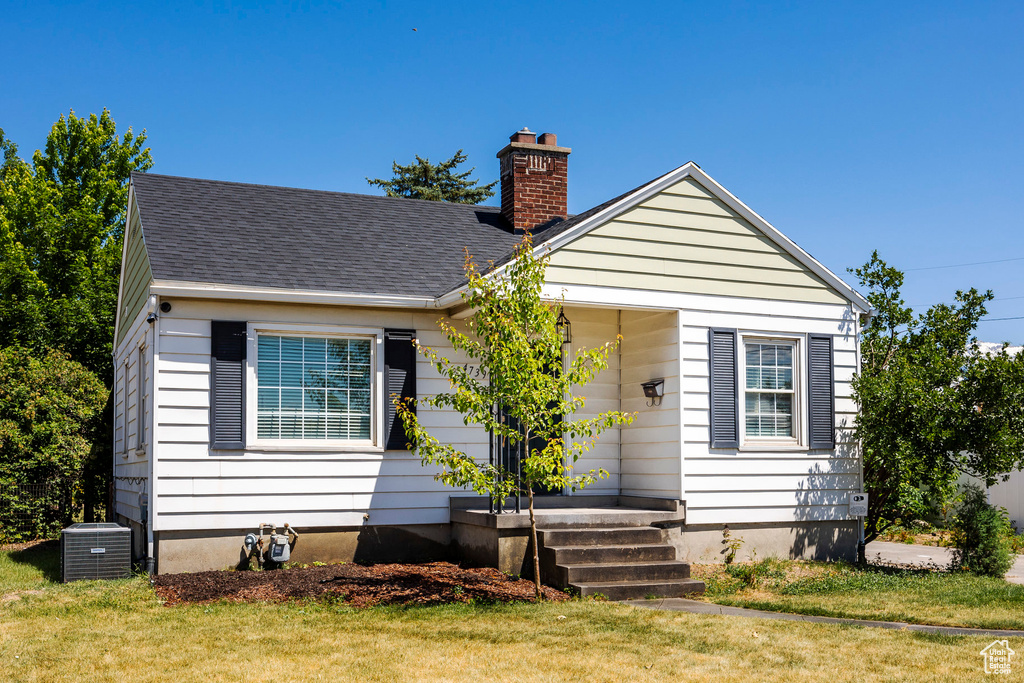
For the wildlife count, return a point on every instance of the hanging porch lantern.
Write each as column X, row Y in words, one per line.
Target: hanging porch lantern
column 565, row 327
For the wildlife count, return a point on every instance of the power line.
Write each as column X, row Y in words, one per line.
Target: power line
column 998, row 298
column 1017, row 317
column 976, row 263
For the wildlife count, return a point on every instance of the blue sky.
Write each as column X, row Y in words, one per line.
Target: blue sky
column 849, row 126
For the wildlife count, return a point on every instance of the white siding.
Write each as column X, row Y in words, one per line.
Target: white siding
column 686, row 240
column 650, row 446
column 223, row 490
column 131, row 464
column 592, row 327
column 748, row 485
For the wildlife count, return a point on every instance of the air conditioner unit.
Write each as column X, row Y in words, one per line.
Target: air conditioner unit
column 95, row 551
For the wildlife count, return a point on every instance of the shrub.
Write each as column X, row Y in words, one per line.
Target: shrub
column 980, row 536
column 48, row 412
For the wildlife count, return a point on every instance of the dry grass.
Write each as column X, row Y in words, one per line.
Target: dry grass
column 119, row 630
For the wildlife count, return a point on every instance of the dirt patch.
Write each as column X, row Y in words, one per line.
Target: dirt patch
column 11, row 597
column 357, row 585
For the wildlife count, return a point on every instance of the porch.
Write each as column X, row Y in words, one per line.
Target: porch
column 614, row 545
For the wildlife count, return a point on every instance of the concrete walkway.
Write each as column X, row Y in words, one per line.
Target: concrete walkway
column 698, row 607
column 924, row 555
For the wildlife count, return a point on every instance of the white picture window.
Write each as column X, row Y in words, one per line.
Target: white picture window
column 315, row 387
column 770, row 400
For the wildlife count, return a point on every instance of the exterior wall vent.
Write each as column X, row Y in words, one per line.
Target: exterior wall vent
column 95, row 551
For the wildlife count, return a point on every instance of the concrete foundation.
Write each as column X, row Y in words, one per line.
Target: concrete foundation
column 193, row 551
column 788, row 540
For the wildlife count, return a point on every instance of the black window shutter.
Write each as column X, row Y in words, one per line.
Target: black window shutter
column 227, row 384
column 821, row 392
column 399, row 378
column 725, row 416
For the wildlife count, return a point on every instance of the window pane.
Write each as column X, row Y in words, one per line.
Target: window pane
column 315, row 375
column 753, row 426
column 268, row 426
column 785, row 355
column 785, row 378
column 269, row 374
column 337, row 350
column 314, row 388
column 753, row 377
column 269, row 348
column 753, row 355
column 315, row 349
column 269, row 399
column 768, row 414
column 291, row 375
column 291, row 425
column 291, row 400
column 291, row 349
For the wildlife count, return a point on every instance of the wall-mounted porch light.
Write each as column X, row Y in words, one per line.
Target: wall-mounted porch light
column 654, row 389
column 565, row 326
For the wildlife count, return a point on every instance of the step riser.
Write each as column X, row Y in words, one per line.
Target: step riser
column 606, row 555
column 641, row 591
column 599, row 537
column 635, row 572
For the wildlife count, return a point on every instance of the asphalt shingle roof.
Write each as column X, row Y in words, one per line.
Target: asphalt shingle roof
column 264, row 236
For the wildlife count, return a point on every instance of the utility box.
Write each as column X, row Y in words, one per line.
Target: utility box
column 95, row 551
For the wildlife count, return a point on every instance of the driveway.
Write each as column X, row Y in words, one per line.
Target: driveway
column 905, row 553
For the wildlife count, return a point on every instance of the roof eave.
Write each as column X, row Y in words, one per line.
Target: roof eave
column 212, row 290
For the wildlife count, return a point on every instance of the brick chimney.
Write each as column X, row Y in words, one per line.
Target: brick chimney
column 534, row 179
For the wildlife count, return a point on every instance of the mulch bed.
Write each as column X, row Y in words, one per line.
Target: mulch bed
column 357, row 585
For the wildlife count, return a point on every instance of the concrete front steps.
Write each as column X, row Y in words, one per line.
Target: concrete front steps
column 618, row 562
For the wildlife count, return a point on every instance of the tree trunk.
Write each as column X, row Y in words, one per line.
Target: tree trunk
column 536, row 548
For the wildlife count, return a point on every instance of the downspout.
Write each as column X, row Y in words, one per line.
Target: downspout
column 861, row 550
column 151, row 318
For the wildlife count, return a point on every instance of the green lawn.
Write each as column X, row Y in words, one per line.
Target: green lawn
column 843, row 590
column 119, row 630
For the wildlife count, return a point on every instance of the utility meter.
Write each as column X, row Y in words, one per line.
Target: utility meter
column 280, row 551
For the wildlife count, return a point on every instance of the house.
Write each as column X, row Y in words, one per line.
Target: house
column 237, row 301
column 1007, row 494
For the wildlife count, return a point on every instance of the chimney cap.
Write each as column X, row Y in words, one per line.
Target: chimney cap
column 526, row 140
column 525, row 135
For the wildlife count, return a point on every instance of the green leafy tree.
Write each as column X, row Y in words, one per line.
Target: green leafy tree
column 48, row 407
column 932, row 406
column 62, row 221
column 515, row 343
column 436, row 182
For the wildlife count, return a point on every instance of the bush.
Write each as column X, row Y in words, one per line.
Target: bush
column 980, row 536
column 49, row 407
